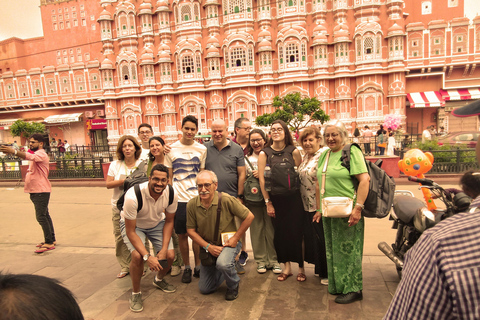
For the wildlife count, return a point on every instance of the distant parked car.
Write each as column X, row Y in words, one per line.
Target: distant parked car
column 463, row 137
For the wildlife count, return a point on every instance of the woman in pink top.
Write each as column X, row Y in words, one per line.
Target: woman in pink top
column 367, row 134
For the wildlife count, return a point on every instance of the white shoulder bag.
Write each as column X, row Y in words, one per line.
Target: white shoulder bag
column 334, row 207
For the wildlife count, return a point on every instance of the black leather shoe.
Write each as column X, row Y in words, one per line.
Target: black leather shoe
column 349, row 297
column 231, row 294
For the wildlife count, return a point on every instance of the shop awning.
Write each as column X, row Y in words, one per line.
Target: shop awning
column 6, row 123
column 460, row 94
column 63, row 118
column 425, row 99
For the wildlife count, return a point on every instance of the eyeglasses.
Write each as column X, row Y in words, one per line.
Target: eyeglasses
column 279, row 130
column 246, row 129
column 145, row 132
column 206, row 185
column 157, row 180
column 333, row 135
column 256, row 140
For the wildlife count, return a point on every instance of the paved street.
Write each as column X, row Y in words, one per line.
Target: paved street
column 84, row 262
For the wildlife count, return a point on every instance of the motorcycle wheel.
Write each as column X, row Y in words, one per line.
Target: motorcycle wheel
column 399, row 272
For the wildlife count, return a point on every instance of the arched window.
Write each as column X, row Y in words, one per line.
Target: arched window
column 368, row 45
column 291, row 51
column 125, row 72
column 186, row 13
column 187, row 65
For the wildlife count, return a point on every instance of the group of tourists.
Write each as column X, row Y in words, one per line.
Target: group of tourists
column 227, row 185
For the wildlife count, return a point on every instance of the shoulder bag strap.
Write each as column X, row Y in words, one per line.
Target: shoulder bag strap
column 324, row 171
column 138, row 193
column 217, row 223
column 249, row 163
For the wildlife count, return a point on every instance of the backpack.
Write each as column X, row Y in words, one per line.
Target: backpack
column 138, row 193
column 252, row 191
column 381, row 191
column 284, row 178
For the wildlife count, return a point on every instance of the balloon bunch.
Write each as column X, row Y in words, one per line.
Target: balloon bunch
column 392, row 121
column 415, row 163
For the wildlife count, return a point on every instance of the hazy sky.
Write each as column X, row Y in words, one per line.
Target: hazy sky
column 21, row 18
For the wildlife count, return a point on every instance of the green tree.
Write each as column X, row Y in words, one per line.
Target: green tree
column 296, row 112
column 24, row 129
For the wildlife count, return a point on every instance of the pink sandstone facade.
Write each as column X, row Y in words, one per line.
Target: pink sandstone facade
column 121, row 63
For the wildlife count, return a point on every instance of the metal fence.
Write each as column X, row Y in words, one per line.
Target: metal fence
column 105, row 152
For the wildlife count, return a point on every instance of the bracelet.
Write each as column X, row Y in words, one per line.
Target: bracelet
column 360, row 205
column 206, row 247
column 318, row 210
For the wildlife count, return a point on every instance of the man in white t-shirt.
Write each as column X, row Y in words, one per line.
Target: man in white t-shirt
column 185, row 161
column 145, row 131
column 154, row 221
column 426, row 135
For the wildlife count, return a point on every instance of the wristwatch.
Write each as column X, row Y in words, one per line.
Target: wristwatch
column 267, row 201
column 240, row 196
column 145, row 257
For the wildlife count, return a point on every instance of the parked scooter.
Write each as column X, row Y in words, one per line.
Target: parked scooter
column 411, row 217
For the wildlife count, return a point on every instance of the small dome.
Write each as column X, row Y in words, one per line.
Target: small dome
column 162, row 6
column 213, row 52
column 212, row 41
column 105, row 16
column 147, row 56
column 340, row 33
column 106, row 64
column 264, row 45
column 164, row 57
column 145, row 8
column 319, row 39
column 264, row 34
column 164, row 47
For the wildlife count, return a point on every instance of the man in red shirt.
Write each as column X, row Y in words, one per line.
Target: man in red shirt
column 39, row 187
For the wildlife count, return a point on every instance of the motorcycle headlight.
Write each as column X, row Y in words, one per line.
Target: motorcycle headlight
column 423, row 220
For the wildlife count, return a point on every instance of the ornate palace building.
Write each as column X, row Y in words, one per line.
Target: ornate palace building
column 131, row 61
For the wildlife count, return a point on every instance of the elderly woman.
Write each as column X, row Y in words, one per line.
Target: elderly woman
column 343, row 236
column 313, row 236
column 128, row 154
column 283, row 200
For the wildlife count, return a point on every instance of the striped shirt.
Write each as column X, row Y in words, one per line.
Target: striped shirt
column 441, row 278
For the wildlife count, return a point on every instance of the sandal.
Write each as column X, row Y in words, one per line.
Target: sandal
column 42, row 243
column 301, row 277
column 122, row 274
column 45, row 248
column 284, row 276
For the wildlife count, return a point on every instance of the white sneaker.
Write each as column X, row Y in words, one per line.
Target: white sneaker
column 276, row 269
column 324, row 281
column 176, row 270
column 261, row 269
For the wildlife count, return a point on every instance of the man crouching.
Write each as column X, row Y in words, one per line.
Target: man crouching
column 149, row 215
column 203, row 228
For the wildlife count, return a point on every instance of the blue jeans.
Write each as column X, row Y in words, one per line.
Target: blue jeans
column 212, row 277
column 40, row 202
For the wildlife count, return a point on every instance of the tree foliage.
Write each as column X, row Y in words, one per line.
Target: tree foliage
column 24, row 129
column 296, row 112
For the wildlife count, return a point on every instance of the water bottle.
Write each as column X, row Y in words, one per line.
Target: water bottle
column 268, row 175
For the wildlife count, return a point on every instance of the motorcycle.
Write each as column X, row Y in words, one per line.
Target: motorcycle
column 411, row 217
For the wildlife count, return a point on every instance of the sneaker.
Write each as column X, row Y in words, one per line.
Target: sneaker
column 349, row 297
column 164, row 285
column 239, row 268
column 324, row 281
column 187, row 276
column 196, row 272
column 231, row 294
column 261, row 268
column 243, row 258
column 176, row 270
column 136, row 303
column 276, row 269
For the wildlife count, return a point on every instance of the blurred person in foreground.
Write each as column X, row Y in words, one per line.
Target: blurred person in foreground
column 28, row 296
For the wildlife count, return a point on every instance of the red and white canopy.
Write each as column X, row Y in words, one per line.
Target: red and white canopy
column 425, row 99
column 460, row 94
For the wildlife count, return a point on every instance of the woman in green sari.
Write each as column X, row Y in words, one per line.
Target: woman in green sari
column 343, row 236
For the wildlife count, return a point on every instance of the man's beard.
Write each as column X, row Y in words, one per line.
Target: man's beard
column 34, row 149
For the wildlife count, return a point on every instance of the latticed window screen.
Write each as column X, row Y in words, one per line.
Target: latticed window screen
column 280, row 52
column 196, row 11
column 368, row 45
column 186, row 13
column 250, row 56
column 291, row 51
column 199, row 64
column 125, row 73
column 238, row 58
column 187, row 65
column 290, row 3
column 236, row 6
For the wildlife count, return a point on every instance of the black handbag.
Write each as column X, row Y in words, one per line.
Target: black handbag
column 206, row 258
